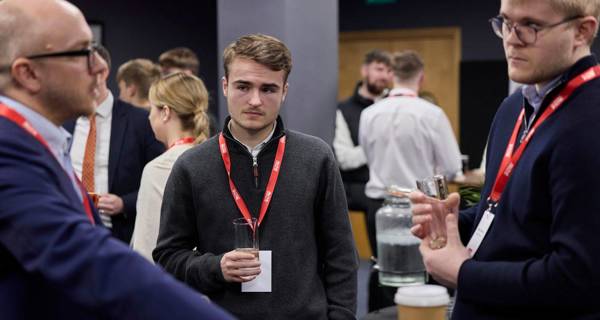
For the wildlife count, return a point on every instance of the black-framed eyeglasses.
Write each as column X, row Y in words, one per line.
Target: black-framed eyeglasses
column 89, row 52
column 526, row 33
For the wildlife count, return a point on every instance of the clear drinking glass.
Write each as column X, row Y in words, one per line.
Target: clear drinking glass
column 436, row 188
column 246, row 235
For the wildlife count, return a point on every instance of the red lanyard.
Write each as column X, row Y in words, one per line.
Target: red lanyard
column 19, row 120
column 270, row 185
column 186, row 140
column 510, row 160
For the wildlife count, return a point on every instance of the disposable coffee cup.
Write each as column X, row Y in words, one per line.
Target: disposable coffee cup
column 424, row 302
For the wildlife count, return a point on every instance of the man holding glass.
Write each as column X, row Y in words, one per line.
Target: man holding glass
column 289, row 182
column 531, row 246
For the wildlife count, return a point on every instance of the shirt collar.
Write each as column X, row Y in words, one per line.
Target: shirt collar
column 399, row 91
column 535, row 97
column 105, row 107
column 256, row 150
column 58, row 138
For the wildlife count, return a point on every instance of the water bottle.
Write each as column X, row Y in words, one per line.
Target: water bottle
column 399, row 260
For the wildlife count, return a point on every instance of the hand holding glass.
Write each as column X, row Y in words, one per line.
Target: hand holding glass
column 436, row 188
column 246, row 235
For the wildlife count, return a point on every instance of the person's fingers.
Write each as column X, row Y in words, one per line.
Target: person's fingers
column 245, row 272
column 452, row 202
column 418, row 231
column 421, row 219
column 417, row 197
column 453, row 236
column 241, row 255
column 421, row 208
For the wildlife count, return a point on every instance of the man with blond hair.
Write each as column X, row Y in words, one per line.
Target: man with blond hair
column 134, row 78
column 56, row 262
column 531, row 243
column 289, row 182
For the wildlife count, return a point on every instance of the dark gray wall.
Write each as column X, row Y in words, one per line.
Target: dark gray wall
column 309, row 28
column 145, row 29
column 478, row 40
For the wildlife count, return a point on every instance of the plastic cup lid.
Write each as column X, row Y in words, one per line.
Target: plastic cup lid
column 427, row 295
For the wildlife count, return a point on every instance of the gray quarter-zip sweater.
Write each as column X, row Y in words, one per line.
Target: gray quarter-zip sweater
column 306, row 227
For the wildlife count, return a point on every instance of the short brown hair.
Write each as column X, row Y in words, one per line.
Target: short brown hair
column 139, row 72
column 265, row 50
column 378, row 56
column 180, row 57
column 407, row 65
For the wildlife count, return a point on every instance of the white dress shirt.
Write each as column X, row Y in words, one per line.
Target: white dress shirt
column 406, row 138
column 347, row 154
column 103, row 129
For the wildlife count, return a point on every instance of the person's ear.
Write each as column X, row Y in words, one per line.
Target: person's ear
column 165, row 113
column 131, row 90
column 26, row 75
column 586, row 30
column 364, row 71
column 285, row 90
column 224, row 86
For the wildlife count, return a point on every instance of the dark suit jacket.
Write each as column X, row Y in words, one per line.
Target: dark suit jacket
column 54, row 264
column 540, row 258
column 132, row 145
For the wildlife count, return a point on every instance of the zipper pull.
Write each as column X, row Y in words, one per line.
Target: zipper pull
column 255, row 171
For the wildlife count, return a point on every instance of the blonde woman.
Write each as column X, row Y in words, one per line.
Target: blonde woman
column 179, row 120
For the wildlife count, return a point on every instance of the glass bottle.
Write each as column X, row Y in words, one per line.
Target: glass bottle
column 399, row 260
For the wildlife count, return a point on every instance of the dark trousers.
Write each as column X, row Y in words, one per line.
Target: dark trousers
column 373, row 206
column 355, row 195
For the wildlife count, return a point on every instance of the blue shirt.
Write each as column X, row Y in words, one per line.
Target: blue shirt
column 58, row 139
column 535, row 97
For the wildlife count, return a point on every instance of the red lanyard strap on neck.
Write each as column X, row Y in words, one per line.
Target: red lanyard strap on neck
column 510, row 159
column 19, row 120
column 270, row 185
column 186, row 140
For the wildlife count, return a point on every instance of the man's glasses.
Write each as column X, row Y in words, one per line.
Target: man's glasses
column 526, row 33
column 90, row 53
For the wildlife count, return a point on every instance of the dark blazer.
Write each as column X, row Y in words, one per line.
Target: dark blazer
column 540, row 258
column 132, row 145
column 54, row 264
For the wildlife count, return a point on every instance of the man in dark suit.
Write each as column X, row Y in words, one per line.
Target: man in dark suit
column 532, row 242
column 124, row 143
column 55, row 261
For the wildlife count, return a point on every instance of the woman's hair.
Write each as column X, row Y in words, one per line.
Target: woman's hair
column 187, row 96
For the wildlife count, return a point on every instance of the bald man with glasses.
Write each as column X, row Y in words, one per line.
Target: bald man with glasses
column 529, row 249
column 56, row 262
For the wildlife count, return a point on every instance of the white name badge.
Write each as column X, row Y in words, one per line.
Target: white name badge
column 262, row 283
column 480, row 232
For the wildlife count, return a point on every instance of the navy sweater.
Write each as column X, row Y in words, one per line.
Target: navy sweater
column 541, row 257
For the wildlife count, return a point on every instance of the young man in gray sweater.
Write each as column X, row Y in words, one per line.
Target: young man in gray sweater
column 288, row 181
